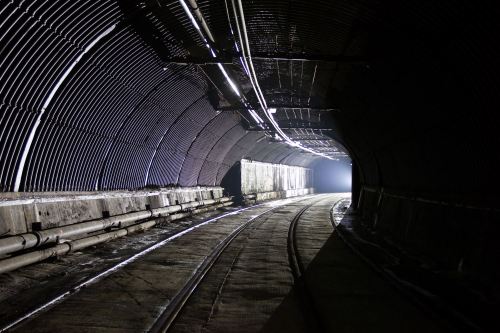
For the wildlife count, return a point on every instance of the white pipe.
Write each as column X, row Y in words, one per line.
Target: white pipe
column 199, row 15
column 16, row 262
column 25, row 241
column 17, row 243
column 19, row 261
column 52, row 235
column 245, row 45
column 36, row 238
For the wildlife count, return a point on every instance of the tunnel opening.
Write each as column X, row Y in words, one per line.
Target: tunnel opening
column 333, row 176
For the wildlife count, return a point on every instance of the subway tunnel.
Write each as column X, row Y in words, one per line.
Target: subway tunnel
column 111, row 108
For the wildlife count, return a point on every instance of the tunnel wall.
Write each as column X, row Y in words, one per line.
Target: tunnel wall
column 86, row 103
column 19, row 211
column 445, row 234
column 421, row 128
column 269, row 181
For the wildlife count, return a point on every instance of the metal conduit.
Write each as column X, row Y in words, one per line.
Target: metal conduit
column 37, row 238
column 22, row 260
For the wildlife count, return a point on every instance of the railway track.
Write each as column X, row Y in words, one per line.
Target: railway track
column 29, row 319
column 307, row 303
column 166, row 321
column 275, row 268
column 168, row 317
column 101, row 275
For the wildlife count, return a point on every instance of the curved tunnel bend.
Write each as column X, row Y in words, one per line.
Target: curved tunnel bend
column 117, row 107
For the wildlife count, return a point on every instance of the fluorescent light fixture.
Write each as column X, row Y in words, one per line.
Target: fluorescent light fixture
column 231, row 83
column 188, row 12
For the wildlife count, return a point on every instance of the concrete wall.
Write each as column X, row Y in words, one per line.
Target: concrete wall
column 18, row 211
column 270, row 181
column 448, row 235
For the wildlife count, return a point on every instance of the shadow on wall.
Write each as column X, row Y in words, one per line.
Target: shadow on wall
column 332, row 176
column 232, row 180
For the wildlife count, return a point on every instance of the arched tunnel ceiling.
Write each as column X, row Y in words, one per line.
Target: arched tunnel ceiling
column 90, row 102
column 115, row 94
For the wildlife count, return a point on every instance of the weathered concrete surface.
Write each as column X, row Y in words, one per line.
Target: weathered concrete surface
column 259, row 177
column 250, row 288
column 249, row 282
column 52, row 209
column 275, row 195
column 348, row 294
column 29, row 287
column 131, row 298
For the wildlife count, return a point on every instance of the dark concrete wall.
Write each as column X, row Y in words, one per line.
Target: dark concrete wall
column 448, row 235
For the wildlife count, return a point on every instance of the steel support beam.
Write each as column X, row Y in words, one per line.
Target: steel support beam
column 285, row 106
column 233, row 58
column 257, row 129
column 308, row 57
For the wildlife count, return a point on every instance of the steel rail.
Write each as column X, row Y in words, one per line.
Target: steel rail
column 307, row 303
column 432, row 305
column 72, row 290
column 170, row 314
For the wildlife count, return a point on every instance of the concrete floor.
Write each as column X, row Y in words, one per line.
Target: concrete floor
column 249, row 289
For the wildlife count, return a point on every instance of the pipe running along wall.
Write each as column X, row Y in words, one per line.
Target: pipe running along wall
column 127, row 224
column 38, row 238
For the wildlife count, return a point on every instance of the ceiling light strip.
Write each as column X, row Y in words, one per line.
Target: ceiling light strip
column 213, row 52
column 245, row 46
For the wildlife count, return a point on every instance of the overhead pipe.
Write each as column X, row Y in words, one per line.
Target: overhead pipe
column 245, row 46
column 210, row 43
column 22, row 260
column 37, row 238
column 200, row 17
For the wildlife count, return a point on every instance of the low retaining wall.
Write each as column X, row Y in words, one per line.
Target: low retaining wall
column 266, row 181
column 262, row 196
column 21, row 212
column 449, row 236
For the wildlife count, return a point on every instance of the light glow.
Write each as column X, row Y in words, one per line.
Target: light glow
column 255, row 116
column 245, row 45
column 53, row 92
column 231, row 83
column 188, row 12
